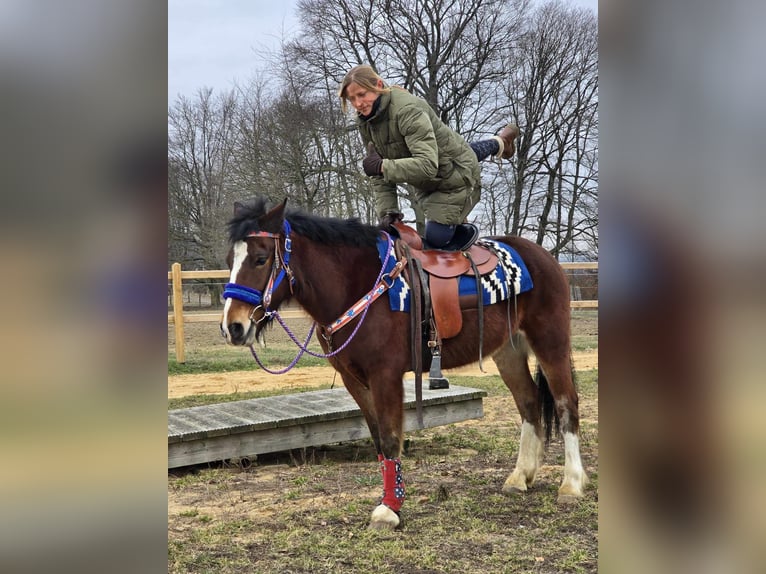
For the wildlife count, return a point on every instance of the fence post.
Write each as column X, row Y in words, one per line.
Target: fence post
column 178, row 311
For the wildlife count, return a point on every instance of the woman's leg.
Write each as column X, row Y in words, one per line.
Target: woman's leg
column 485, row 148
column 499, row 146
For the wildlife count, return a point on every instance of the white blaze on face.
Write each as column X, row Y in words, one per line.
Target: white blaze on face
column 240, row 254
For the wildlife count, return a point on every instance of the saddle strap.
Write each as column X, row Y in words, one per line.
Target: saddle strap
column 480, row 297
column 428, row 334
column 415, row 323
column 416, row 329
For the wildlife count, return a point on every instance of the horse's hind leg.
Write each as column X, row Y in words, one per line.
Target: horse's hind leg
column 557, row 381
column 511, row 361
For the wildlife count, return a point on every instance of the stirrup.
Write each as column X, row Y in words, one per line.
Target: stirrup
column 436, row 380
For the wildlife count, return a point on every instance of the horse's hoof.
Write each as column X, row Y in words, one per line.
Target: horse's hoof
column 516, row 483
column 383, row 518
column 512, row 490
column 572, row 490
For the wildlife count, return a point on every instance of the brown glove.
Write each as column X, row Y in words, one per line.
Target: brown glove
column 373, row 163
column 390, row 218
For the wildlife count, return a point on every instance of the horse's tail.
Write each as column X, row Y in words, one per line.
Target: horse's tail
column 547, row 404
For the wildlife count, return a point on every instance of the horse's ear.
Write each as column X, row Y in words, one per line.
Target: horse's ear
column 272, row 221
column 278, row 212
column 239, row 207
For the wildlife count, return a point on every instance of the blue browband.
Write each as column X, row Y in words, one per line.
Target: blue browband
column 255, row 296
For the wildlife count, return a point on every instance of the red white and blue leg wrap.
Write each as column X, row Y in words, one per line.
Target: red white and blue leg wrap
column 393, row 482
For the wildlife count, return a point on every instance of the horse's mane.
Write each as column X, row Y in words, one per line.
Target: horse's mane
column 326, row 230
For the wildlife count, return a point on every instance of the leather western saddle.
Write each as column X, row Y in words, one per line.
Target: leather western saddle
column 444, row 269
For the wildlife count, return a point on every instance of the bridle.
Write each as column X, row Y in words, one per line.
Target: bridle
column 279, row 270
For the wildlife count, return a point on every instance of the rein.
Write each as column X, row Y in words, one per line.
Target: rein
column 280, row 270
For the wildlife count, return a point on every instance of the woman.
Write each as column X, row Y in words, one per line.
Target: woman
column 407, row 143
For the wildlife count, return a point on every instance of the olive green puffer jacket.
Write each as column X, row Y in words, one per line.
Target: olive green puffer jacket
column 418, row 149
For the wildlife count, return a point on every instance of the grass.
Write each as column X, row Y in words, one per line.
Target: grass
column 584, row 342
column 465, row 533
column 225, row 359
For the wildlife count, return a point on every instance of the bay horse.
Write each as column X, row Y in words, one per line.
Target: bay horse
column 327, row 264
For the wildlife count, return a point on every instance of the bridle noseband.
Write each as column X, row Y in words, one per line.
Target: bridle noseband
column 279, row 270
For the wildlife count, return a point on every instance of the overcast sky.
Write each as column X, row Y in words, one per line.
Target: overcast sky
column 214, row 43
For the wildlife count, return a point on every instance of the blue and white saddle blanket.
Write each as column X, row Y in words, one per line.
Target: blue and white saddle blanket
column 509, row 277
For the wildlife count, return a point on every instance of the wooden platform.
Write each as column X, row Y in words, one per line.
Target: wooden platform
column 256, row 426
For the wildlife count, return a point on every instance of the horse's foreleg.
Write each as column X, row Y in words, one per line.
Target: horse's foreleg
column 388, row 397
column 511, row 361
column 363, row 397
column 386, row 514
column 531, row 448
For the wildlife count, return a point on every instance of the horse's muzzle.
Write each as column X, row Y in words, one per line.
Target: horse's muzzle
column 237, row 334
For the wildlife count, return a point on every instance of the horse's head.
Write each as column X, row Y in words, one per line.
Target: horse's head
column 260, row 274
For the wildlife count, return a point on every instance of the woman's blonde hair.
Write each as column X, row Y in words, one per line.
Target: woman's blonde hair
column 365, row 77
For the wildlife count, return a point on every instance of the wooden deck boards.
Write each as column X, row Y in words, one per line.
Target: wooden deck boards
column 256, row 426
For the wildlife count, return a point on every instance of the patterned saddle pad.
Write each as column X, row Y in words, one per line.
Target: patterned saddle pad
column 509, row 277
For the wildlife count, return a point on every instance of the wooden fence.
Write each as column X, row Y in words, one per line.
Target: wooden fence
column 178, row 317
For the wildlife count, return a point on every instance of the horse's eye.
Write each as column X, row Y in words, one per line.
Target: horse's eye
column 258, row 261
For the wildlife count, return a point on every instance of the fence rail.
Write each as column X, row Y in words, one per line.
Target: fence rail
column 176, row 276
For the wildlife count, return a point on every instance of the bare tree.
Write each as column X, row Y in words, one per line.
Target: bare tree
column 553, row 90
column 447, row 51
column 297, row 144
column 200, row 155
column 479, row 63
